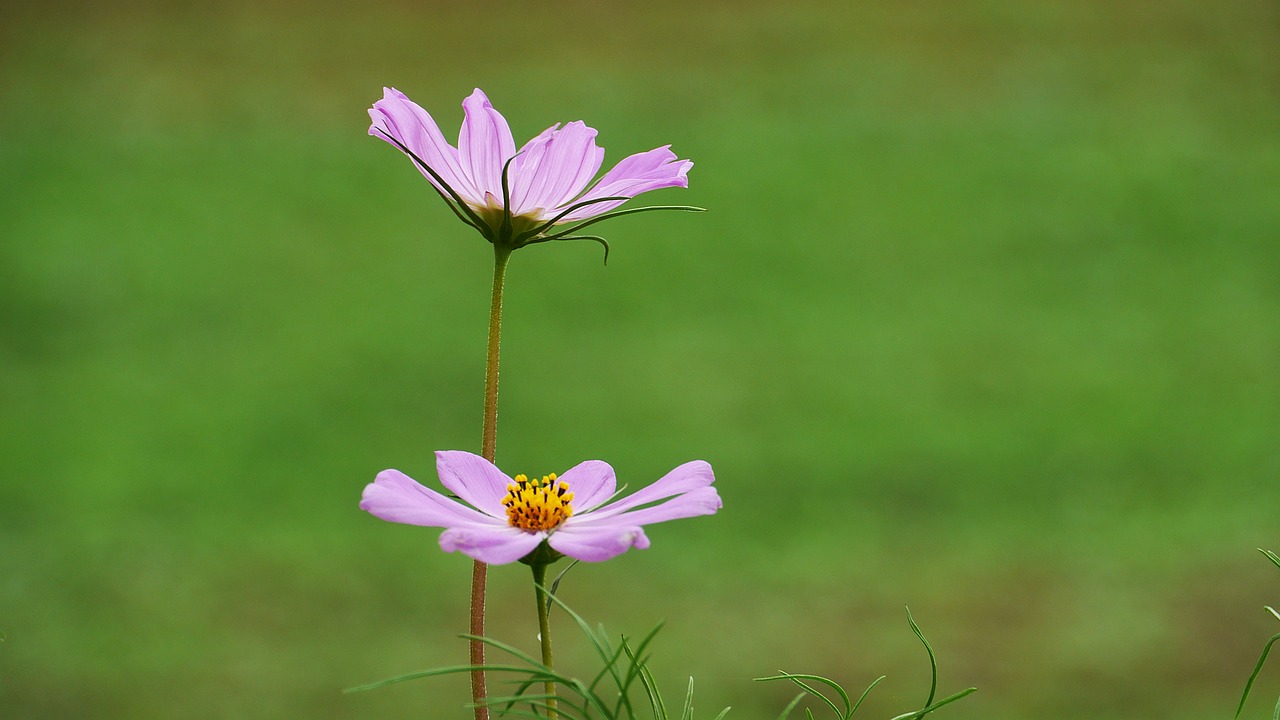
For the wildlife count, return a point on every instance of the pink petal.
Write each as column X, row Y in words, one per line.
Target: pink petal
column 490, row 544
column 484, row 144
column 559, row 167
column 592, row 482
column 396, row 497
column 597, row 543
column 703, row 501
column 523, row 167
column 685, row 478
column 639, row 173
column 475, row 480
column 405, row 121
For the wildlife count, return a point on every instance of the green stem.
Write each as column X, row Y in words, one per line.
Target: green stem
column 544, row 631
column 489, row 442
column 488, row 448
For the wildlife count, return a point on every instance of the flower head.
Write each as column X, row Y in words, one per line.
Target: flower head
column 516, row 198
column 508, row 518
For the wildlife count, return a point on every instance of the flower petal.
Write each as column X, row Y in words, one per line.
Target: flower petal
column 562, row 166
column 592, row 482
column 639, row 173
column 703, row 501
column 402, row 119
column 475, row 480
column 396, row 497
column 484, row 144
column 597, row 543
column 685, row 478
column 489, row 544
column 523, row 167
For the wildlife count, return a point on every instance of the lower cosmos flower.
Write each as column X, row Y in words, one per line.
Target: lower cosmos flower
column 515, row 198
column 508, row 518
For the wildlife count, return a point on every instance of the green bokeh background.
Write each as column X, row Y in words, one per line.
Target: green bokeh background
column 983, row 320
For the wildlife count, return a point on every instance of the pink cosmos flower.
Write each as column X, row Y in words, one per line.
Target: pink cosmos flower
column 515, row 197
column 508, row 518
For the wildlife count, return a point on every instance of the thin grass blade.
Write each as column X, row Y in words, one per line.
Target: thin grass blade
column 1262, row 660
column 434, row 672
column 791, row 706
column 1271, row 556
column 914, row 715
column 933, row 663
column 863, row 696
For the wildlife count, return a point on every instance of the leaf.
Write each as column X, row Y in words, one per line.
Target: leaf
column 1248, row 686
column 933, row 663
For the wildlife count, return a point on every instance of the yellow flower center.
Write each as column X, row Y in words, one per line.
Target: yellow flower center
column 538, row 505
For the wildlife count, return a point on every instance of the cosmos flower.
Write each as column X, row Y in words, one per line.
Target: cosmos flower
column 505, row 519
column 516, row 198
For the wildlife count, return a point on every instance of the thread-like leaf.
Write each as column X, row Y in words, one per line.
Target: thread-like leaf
column 914, row 715
column 650, row 687
column 933, row 664
column 1262, row 660
column 447, row 670
column 620, row 213
column 791, row 706
column 686, row 712
column 1271, row 556
column 864, row 694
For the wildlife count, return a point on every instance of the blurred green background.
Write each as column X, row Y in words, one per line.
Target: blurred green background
column 983, row 320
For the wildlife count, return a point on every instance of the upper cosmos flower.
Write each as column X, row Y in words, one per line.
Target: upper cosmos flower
column 508, row 518
column 515, row 197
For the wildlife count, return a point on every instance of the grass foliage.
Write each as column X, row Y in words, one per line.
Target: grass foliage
column 624, row 669
column 847, row 707
column 1266, row 650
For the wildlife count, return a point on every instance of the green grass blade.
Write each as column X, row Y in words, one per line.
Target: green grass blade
column 555, row 584
column 589, row 698
column 650, row 687
column 916, row 714
column 686, row 712
column 816, row 693
column 638, row 663
column 1262, row 660
column 849, row 706
column 448, row 670
column 523, row 686
column 539, row 701
column 791, row 706
column 505, row 647
column 933, row 663
column 799, row 678
column 1271, row 556
column 542, row 705
column 864, row 695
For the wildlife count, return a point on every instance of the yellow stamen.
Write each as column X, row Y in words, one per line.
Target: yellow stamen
column 538, row 505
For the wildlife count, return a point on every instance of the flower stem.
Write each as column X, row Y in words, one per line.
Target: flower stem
column 489, row 442
column 488, row 448
column 544, row 631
